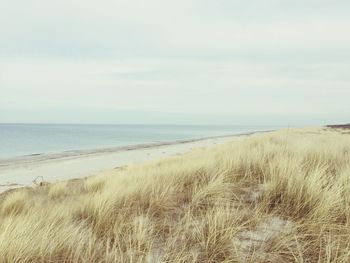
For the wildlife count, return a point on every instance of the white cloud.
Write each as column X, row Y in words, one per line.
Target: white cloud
column 190, row 57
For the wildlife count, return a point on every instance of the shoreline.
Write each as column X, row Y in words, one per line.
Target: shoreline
column 23, row 172
column 42, row 157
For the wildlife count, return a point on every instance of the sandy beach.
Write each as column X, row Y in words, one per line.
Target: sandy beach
column 22, row 171
column 248, row 199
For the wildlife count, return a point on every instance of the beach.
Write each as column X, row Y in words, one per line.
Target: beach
column 260, row 198
column 50, row 168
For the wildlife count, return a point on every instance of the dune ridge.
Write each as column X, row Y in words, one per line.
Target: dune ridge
column 282, row 196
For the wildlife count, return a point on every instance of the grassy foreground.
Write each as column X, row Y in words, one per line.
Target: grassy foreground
column 276, row 197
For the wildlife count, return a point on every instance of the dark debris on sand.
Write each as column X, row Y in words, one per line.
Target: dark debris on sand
column 340, row 126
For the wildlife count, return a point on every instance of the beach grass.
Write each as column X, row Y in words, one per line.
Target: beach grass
column 281, row 196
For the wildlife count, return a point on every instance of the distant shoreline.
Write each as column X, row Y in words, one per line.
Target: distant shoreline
column 23, row 171
column 43, row 157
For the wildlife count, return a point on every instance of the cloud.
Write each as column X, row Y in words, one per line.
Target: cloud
column 166, row 27
column 201, row 58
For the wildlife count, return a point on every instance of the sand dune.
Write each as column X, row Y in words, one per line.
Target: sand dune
column 276, row 197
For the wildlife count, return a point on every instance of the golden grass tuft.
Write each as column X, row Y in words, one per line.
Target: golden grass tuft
column 58, row 190
column 94, row 184
column 276, row 197
column 14, row 203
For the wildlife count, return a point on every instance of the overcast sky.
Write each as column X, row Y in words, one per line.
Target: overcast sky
column 183, row 61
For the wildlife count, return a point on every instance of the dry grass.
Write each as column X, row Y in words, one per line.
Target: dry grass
column 58, row 190
column 14, row 203
column 277, row 197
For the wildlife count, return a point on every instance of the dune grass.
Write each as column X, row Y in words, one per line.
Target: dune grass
column 276, row 197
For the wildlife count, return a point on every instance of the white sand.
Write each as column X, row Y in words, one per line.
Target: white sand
column 20, row 173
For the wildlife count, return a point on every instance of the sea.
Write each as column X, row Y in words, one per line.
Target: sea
column 18, row 140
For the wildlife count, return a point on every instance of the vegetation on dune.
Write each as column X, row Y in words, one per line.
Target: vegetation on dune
column 276, row 197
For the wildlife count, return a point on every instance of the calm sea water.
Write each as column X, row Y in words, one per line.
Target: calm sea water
column 28, row 139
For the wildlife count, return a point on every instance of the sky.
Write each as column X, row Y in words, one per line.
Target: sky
column 175, row 62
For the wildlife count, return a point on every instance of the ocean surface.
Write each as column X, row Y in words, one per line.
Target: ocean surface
column 34, row 139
